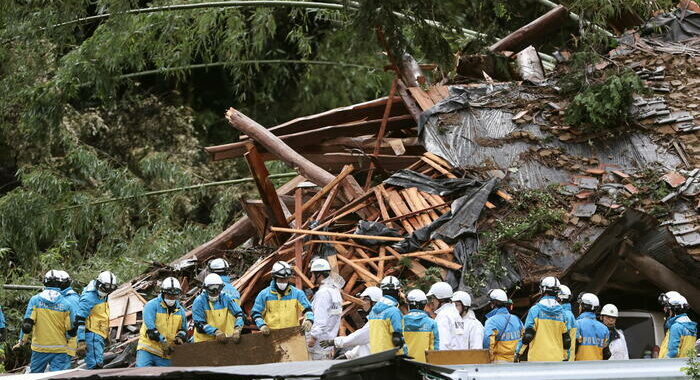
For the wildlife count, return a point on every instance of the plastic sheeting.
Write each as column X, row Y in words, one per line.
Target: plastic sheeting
column 675, row 26
column 365, row 227
column 441, row 186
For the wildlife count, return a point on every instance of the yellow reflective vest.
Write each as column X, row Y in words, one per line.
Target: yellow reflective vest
column 168, row 321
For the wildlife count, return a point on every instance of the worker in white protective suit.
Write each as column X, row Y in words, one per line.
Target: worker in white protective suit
column 327, row 306
column 618, row 344
column 357, row 343
column 473, row 329
column 450, row 323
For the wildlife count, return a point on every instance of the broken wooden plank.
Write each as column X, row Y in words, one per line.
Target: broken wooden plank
column 351, row 189
column 412, row 254
column 335, row 234
column 267, row 191
column 361, row 270
column 380, row 134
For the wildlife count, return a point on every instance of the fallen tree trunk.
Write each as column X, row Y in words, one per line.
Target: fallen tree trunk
column 535, row 30
column 273, row 144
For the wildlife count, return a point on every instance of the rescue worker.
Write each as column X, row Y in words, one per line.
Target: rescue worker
column 682, row 331
column 546, row 337
column 48, row 319
column 473, row 329
column 564, row 299
column 164, row 324
column 359, row 339
column 73, row 300
column 591, row 335
column 502, row 331
column 420, row 331
column 279, row 305
column 327, row 306
column 385, row 320
column 450, row 323
column 663, row 300
column 3, row 337
column 92, row 319
column 221, row 267
column 618, row 343
column 216, row 315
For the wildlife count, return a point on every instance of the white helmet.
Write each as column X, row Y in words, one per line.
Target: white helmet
column 677, row 302
column 373, row 292
column 589, row 299
column 462, row 297
column 390, row 283
column 320, row 265
column 498, row 295
column 218, row 266
column 610, row 310
column 281, row 269
column 416, row 296
column 171, row 286
column 564, row 293
column 106, row 282
column 440, row 290
column 549, row 284
column 665, row 297
column 213, row 279
column 63, row 279
column 52, row 278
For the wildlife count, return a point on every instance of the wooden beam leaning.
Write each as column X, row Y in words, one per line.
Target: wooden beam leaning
column 351, row 189
column 380, row 134
column 299, row 244
column 336, row 234
column 537, row 29
column 265, row 187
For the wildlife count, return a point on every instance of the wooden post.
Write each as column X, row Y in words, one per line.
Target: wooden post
column 265, row 187
column 299, row 244
column 380, row 135
column 273, row 144
column 536, row 29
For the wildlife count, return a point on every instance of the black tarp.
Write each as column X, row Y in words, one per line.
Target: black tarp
column 679, row 25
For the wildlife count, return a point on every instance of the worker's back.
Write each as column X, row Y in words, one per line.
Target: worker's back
column 547, row 319
column 592, row 337
column 421, row 334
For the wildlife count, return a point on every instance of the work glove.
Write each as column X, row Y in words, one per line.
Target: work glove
column 397, row 339
column 181, row 338
column 220, row 336
column 265, row 330
column 306, row 325
column 81, row 349
column 166, row 347
column 327, row 343
column 236, row 336
column 22, row 342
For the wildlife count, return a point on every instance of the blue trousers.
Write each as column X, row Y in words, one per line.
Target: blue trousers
column 67, row 361
column 94, row 355
column 41, row 360
column 147, row 359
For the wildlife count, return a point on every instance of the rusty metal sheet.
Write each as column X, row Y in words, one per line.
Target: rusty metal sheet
column 284, row 345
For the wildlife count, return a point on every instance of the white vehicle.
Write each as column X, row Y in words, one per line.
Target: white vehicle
column 643, row 331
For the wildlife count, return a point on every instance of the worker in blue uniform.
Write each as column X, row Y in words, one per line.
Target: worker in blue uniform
column 546, row 336
column 92, row 319
column 221, row 267
column 72, row 297
column 682, row 332
column 419, row 330
column 502, row 330
column 279, row 305
column 592, row 336
column 164, row 324
column 216, row 316
column 564, row 298
column 47, row 320
column 385, row 319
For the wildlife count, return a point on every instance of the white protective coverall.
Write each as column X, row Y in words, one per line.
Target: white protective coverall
column 618, row 347
column 327, row 306
column 473, row 331
column 359, row 340
column 450, row 328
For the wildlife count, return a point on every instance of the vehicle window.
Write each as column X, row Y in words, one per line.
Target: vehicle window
column 639, row 333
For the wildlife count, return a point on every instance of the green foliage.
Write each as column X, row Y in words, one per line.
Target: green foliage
column 431, row 276
column 692, row 370
column 541, row 213
column 604, row 106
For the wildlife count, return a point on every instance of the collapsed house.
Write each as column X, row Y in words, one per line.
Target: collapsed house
column 479, row 184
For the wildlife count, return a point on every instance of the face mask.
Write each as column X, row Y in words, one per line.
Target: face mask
column 282, row 285
column 170, row 302
column 102, row 294
column 213, row 298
